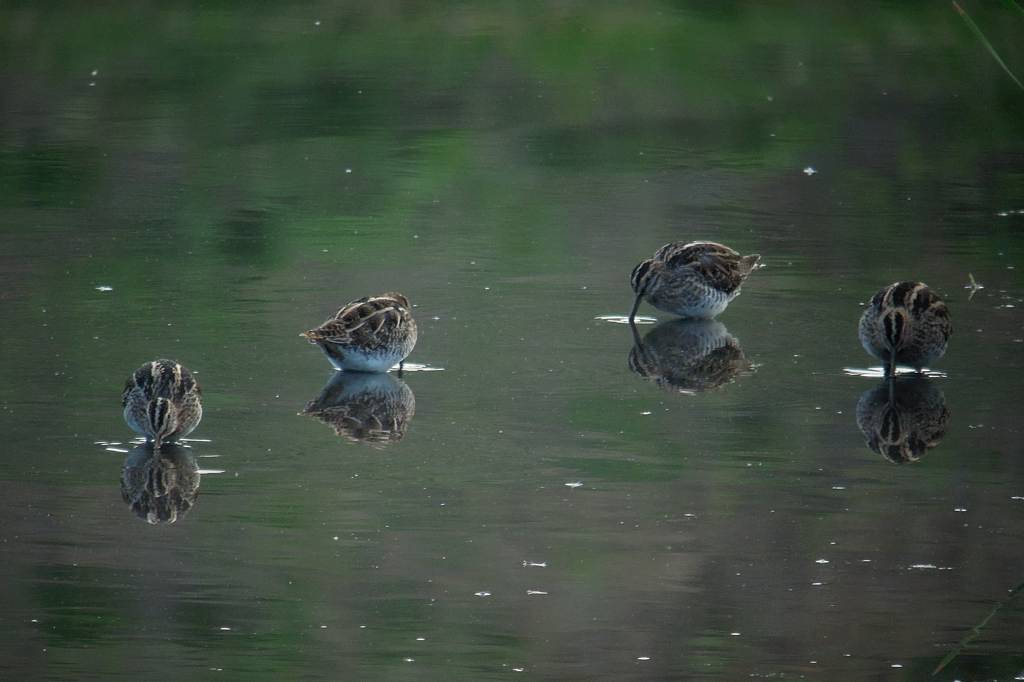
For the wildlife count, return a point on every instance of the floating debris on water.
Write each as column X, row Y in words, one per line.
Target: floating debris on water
column 574, row 484
column 923, row 567
column 821, row 561
column 210, row 471
column 104, row 287
column 810, row 170
column 643, row 658
column 533, row 592
column 973, row 285
column 482, row 593
column 624, row 319
column 535, row 564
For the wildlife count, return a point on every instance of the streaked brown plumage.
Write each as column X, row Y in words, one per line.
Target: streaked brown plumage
column 160, row 486
column 161, row 401
column 905, row 323
column 902, row 418
column 365, row 408
column 697, row 279
column 688, row 355
column 371, row 334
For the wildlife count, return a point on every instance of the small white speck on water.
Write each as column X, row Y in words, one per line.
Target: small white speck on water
column 421, row 639
column 810, row 170
column 535, row 564
column 94, row 73
column 821, row 561
column 482, row 593
column 348, row 171
column 533, row 592
column 896, row 665
column 518, row 670
column 839, row 487
column 104, row 287
column 574, row 484
column 924, row 567
column 643, row 658
column 960, row 509
column 362, row 627
column 409, row 660
column 335, row 537
column 225, row 629
column 1017, row 497
column 646, row 412
column 323, row 627
column 734, row 634
column 817, row 584
column 316, row 23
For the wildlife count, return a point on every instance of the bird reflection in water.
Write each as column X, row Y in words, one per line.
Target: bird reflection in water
column 161, row 486
column 365, row 407
column 903, row 417
column 688, row 355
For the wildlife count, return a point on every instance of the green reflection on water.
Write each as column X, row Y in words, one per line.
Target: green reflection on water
column 235, row 175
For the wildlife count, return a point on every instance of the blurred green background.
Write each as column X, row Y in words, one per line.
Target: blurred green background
column 236, row 172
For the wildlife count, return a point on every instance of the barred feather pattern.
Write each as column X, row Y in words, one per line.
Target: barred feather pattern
column 162, row 401
column 370, row 334
column 906, row 323
column 695, row 279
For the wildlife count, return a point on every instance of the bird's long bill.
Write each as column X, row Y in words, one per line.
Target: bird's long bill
column 636, row 333
column 636, row 304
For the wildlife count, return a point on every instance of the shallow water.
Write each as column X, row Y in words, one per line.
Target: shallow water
column 202, row 182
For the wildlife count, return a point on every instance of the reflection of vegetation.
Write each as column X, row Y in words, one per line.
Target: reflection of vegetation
column 528, row 146
column 975, row 631
column 984, row 41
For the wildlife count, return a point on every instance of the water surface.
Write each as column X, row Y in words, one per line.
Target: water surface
column 203, row 182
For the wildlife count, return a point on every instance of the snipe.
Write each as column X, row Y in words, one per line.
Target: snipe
column 371, row 334
column 161, row 402
column 160, row 487
column 906, row 323
column 365, row 408
column 688, row 356
column 698, row 279
column 902, row 418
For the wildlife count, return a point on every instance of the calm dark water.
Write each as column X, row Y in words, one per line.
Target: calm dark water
column 542, row 511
